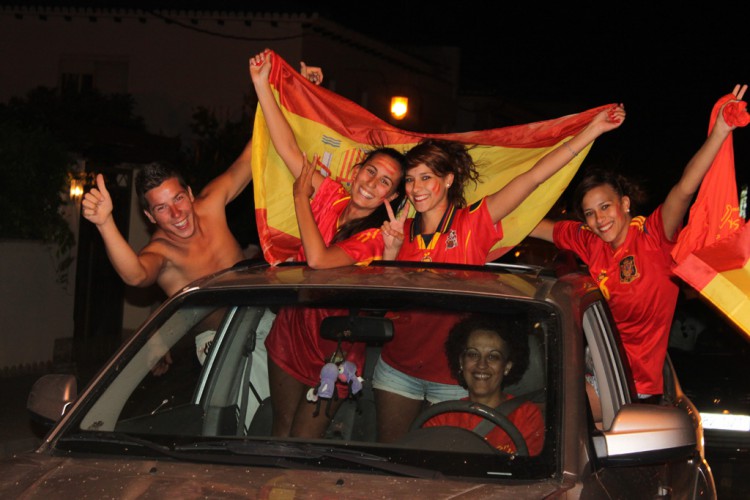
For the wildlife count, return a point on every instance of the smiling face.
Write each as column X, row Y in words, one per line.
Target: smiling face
column 170, row 206
column 484, row 364
column 375, row 181
column 426, row 190
column 607, row 214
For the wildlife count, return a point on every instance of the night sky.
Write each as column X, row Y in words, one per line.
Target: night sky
column 667, row 62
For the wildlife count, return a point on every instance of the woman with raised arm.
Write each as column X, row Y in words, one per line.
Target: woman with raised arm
column 630, row 256
column 412, row 368
column 296, row 352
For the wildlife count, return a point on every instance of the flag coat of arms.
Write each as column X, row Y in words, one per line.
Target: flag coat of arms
column 340, row 132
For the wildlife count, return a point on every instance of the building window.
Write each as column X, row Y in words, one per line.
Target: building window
column 76, row 83
column 108, row 75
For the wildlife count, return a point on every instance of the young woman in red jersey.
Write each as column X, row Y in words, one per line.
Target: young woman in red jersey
column 296, row 352
column 630, row 257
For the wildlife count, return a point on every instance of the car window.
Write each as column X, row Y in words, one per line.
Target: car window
column 606, row 374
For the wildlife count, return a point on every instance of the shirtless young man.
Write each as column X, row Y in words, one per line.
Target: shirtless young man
column 192, row 237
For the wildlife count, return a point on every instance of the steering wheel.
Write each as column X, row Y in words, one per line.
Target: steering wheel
column 480, row 410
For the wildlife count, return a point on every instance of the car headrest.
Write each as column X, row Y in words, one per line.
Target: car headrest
column 535, row 376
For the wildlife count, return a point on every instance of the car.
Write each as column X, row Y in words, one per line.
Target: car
column 203, row 428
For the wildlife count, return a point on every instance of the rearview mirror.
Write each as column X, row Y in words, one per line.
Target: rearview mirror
column 357, row 328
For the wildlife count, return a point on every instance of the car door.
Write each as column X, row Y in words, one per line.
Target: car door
column 610, row 389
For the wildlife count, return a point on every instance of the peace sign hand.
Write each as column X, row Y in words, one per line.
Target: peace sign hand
column 393, row 231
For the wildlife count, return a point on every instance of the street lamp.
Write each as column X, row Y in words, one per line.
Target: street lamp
column 399, row 107
column 77, row 184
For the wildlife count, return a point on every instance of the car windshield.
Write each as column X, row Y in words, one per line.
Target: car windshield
column 195, row 380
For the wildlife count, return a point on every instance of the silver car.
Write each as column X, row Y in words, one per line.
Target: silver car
column 203, row 428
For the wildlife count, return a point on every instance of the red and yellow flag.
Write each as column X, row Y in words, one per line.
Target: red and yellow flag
column 713, row 249
column 721, row 273
column 339, row 132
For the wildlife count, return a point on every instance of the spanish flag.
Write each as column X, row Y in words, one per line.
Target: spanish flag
column 340, row 132
column 713, row 250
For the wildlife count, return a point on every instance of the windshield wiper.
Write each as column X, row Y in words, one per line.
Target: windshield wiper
column 115, row 438
column 309, row 452
column 246, row 452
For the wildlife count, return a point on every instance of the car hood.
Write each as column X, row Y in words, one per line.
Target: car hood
column 40, row 476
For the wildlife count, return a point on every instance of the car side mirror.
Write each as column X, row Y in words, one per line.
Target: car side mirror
column 51, row 396
column 643, row 433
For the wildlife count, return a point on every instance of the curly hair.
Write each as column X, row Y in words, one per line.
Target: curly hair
column 446, row 157
column 598, row 176
column 153, row 175
column 508, row 330
column 380, row 214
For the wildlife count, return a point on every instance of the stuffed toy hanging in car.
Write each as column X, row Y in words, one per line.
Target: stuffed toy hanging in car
column 348, row 375
column 326, row 389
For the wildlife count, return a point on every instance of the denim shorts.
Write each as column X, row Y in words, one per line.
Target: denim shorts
column 387, row 378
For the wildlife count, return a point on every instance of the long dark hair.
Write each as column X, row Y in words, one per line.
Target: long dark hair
column 446, row 157
column 380, row 214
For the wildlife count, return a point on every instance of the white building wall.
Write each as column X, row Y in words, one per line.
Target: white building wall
column 35, row 309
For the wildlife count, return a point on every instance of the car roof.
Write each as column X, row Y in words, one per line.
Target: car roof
column 509, row 280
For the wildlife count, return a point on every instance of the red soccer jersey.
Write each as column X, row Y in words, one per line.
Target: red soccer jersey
column 364, row 247
column 294, row 342
column 329, row 201
column 295, row 345
column 418, row 344
column 638, row 283
column 465, row 235
column 527, row 418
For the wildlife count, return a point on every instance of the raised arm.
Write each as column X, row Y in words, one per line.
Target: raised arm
column 228, row 185
column 504, row 201
column 281, row 133
column 317, row 254
column 135, row 270
column 680, row 196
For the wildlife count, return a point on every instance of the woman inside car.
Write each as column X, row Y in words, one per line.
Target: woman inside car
column 485, row 353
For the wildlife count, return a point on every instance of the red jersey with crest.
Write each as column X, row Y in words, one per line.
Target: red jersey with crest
column 638, row 283
column 466, row 236
column 294, row 342
column 527, row 418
